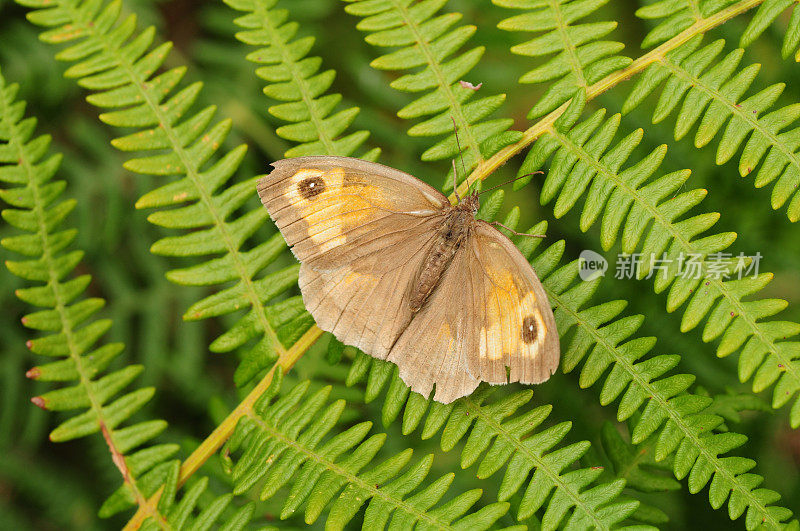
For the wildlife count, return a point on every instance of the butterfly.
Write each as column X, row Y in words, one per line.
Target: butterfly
column 389, row 266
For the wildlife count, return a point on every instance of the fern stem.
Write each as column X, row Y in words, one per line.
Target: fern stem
column 489, row 166
column 217, row 438
column 665, row 405
column 119, row 461
column 541, row 464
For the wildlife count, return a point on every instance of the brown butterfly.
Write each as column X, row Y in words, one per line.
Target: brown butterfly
column 388, row 265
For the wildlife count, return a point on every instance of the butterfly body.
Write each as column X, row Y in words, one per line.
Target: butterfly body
column 389, row 266
column 456, row 224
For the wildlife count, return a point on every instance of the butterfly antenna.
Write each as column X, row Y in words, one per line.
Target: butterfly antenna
column 455, row 181
column 460, row 153
column 512, row 231
column 509, row 181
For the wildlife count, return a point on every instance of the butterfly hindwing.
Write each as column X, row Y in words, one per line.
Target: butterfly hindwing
column 434, row 348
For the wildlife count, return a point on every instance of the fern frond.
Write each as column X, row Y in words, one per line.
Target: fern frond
column 426, row 44
column 636, row 464
column 296, row 80
column 766, row 14
column 506, row 436
column 581, row 58
column 674, row 16
column 117, row 63
column 286, row 441
column 711, row 89
column 189, row 513
column 648, row 213
column 120, row 67
column 684, row 424
column 687, row 426
column 71, row 329
column 729, row 405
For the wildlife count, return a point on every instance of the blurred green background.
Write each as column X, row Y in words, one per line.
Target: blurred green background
column 48, row 486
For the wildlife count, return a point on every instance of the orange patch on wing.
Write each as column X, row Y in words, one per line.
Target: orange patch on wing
column 332, row 202
column 506, row 311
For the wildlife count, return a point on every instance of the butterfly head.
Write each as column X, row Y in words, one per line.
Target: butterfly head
column 470, row 203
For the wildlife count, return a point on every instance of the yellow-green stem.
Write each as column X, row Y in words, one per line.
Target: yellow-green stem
column 487, row 167
column 221, row 434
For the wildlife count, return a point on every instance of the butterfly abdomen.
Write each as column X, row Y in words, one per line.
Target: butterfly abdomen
column 447, row 241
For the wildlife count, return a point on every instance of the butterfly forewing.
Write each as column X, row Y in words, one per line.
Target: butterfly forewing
column 361, row 231
column 331, row 210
